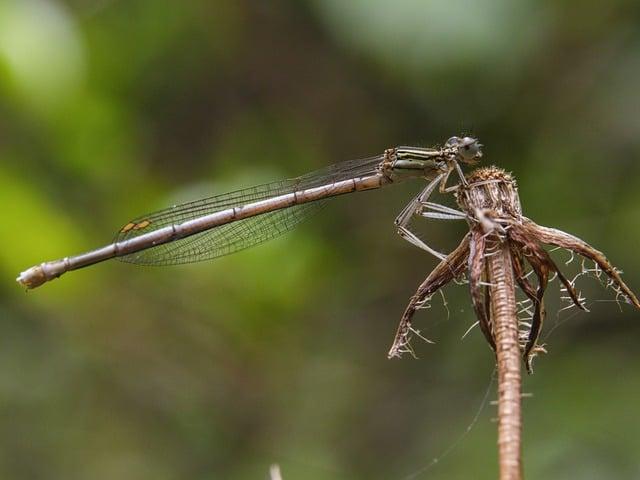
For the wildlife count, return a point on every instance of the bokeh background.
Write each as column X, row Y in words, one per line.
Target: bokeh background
column 111, row 108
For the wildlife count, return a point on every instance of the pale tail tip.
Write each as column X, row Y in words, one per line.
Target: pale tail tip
column 32, row 277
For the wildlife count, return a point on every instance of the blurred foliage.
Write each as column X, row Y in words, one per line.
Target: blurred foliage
column 109, row 108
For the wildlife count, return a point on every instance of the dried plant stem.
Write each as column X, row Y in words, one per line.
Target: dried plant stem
column 505, row 332
column 502, row 249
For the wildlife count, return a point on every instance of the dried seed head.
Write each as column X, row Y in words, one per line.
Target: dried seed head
column 490, row 200
column 490, row 193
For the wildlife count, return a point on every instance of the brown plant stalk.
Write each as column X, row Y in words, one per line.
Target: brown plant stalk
column 501, row 251
column 505, row 334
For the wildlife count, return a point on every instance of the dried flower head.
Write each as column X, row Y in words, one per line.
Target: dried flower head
column 492, row 208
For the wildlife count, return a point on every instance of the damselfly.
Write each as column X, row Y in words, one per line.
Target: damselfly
column 224, row 224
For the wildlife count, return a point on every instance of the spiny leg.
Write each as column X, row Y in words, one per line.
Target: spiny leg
column 441, row 216
column 453, row 165
column 439, row 212
column 403, row 220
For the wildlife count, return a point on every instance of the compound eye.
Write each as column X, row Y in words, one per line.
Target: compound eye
column 453, row 141
column 469, row 149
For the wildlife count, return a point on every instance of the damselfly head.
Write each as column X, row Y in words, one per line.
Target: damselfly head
column 468, row 149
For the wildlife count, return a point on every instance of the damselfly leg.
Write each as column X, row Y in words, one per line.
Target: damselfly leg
column 404, row 219
column 420, row 203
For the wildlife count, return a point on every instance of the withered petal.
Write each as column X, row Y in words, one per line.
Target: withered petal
column 541, row 269
column 519, row 272
column 476, row 270
column 524, row 234
column 562, row 239
column 575, row 297
column 448, row 269
column 536, row 298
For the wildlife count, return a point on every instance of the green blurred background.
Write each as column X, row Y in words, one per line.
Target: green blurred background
column 111, row 108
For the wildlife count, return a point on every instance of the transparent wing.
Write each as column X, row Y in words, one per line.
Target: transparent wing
column 241, row 234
